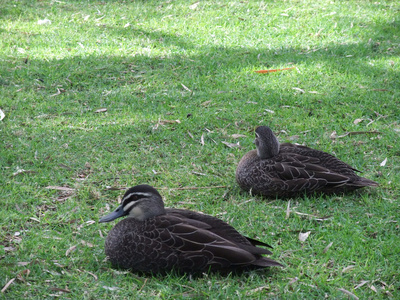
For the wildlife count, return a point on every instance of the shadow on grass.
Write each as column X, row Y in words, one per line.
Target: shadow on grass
column 64, row 93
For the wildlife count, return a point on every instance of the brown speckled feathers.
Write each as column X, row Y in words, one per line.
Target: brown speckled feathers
column 182, row 240
column 292, row 170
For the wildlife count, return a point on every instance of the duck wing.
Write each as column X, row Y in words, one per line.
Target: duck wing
column 198, row 247
column 323, row 159
column 218, row 227
column 287, row 175
column 304, row 167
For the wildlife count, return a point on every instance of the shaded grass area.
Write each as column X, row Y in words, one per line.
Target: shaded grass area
column 150, row 63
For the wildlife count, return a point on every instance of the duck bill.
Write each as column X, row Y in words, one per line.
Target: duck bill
column 119, row 212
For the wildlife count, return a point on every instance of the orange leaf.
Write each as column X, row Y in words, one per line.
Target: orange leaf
column 273, row 70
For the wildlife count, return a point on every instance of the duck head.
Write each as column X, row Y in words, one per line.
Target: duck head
column 140, row 202
column 266, row 142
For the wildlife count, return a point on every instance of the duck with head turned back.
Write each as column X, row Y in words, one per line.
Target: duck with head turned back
column 288, row 170
column 158, row 240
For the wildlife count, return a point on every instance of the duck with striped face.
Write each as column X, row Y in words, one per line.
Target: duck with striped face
column 156, row 239
column 140, row 203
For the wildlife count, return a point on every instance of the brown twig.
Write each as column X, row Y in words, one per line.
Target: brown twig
column 355, row 133
column 144, row 283
column 7, row 285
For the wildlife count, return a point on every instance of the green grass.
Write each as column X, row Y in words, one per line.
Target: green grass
column 135, row 59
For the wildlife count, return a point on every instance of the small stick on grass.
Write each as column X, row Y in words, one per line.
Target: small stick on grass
column 144, row 283
column 7, row 285
column 288, row 210
column 348, row 293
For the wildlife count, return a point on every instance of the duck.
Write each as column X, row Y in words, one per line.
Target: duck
column 155, row 239
column 287, row 170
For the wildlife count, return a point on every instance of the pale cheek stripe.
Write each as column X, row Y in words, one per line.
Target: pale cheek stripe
column 137, row 193
column 129, row 205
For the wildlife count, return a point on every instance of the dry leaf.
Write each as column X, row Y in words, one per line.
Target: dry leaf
column 22, row 171
column 120, row 272
column 348, row 268
column 206, row 103
column 21, row 275
column 363, row 282
column 60, row 188
column 163, row 122
column 298, row 89
column 44, row 22
column 23, row 263
column 90, row 245
column 110, row 288
column 186, row 88
column 382, row 164
column 101, row 110
column 95, row 277
column 269, row 110
column 194, row 5
column 273, row 70
column 58, row 265
column 60, row 290
column 114, row 188
column 293, row 280
column 348, row 293
column 198, row 173
column 7, row 285
column 260, row 288
column 71, row 249
column 327, row 247
column 59, row 91
column 333, row 135
column 202, row 140
column 236, row 136
column 54, row 273
column 304, row 236
column 288, row 210
column 356, row 121
column 330, row 14
column 231, row 145
column 383, row 283
column 373, row 288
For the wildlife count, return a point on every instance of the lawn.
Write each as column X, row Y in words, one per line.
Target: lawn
column 98, row 96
